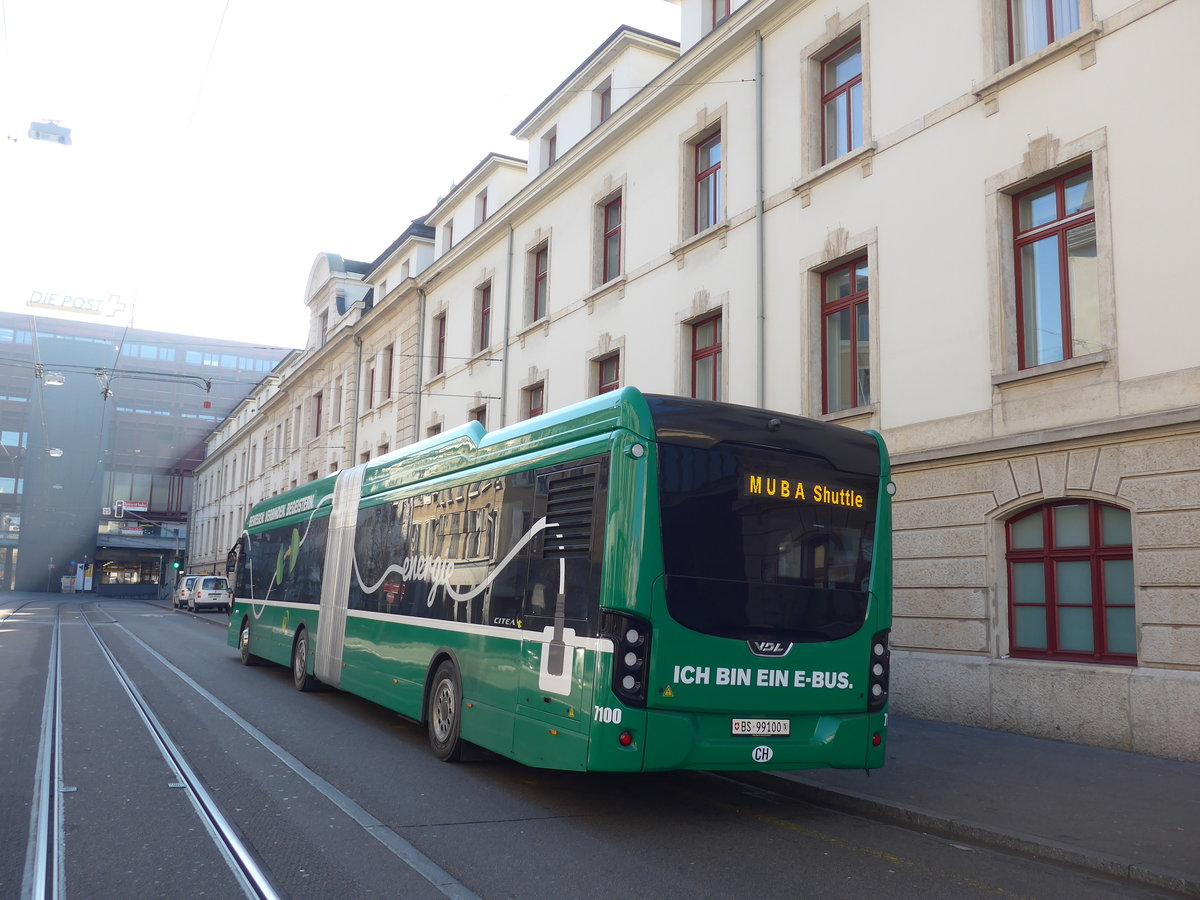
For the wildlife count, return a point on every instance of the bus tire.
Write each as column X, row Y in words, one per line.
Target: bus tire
column 301, row 680
column 443, row 717
column 248, row 658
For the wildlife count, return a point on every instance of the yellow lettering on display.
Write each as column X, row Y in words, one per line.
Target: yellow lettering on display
column 795, row 490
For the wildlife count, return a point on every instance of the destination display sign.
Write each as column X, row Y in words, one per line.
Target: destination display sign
column 773, row 487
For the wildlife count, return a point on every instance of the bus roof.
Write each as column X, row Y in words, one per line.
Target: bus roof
column 650, row 416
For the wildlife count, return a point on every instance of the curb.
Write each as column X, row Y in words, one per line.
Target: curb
column 917, row 819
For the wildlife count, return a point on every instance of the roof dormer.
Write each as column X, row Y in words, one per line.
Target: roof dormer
column 593, row 93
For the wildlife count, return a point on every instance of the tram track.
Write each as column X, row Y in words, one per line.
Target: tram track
column 43, row 857
column 45, row 865
column 394, row 843
column 239, row 857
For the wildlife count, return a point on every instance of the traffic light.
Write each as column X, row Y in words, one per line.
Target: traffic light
column 175, row 565
column 119, row 509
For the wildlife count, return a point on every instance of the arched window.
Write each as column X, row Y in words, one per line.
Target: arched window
column 1070, row 583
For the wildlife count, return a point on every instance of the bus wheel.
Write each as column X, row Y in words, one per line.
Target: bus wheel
column 300, row 677
column 248, row 658
column 443, row 717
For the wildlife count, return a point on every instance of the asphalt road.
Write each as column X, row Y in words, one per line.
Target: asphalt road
column 325, row 795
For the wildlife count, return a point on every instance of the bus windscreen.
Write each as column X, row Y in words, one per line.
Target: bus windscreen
column 765, row 544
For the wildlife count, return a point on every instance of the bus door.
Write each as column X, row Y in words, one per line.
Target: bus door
column 561, row 602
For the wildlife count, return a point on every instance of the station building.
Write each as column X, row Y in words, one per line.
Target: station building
column 101, row 427
column 957, row 229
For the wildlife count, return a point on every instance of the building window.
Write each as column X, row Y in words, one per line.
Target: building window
column 550, row 147
column 447, row 236
column 382, row 449
column 706, row 358
column 610, row 240
column 335, row 414
column 439, row 344
column 369, row 388
column 323, row 329
column 1058, row 298
column 608, row 373
column 1070, row 582
column 842, row 101
column 389, row 362
column 602, row 102
column 535, row 400
column 318, row 403
column 707, row 169
column 481, row 207
column 539, row 300
column 845, row 337
column 483, row 317
column 434, row 430
column 1034, row 24
column 479, row 414
column 720, row 11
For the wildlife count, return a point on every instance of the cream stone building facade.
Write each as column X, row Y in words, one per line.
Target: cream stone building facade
column 964, row 236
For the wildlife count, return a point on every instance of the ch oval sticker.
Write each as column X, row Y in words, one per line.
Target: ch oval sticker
column 763, row 754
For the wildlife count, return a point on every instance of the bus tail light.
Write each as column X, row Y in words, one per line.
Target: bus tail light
column 880, row 671
column 631, row 655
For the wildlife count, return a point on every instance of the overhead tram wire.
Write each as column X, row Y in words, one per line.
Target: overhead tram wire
column 208, row 64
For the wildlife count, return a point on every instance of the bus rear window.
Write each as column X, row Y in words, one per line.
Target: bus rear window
column 765, row 544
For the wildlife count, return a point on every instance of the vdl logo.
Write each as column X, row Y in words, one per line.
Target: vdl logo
column 762, row 754
column 770, row 648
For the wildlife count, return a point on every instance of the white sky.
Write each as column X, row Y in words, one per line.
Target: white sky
column 320, row 126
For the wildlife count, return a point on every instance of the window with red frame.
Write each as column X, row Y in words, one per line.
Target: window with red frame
column 439, row 344
column 483, row 306
column 845, row 337
column 1034, row 24
column 720, row 11
column 611, row 241
column 541, row 283
column 608, row 373
column 389, row 370
column 708, row 181
column 1070, row 583
column 605, row 101
column 1058, row 302
column 535, row 400
column 841, row 101
column 706, row 358
column 479, row 414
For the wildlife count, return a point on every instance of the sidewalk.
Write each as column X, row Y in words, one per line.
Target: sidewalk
column 1111, row 812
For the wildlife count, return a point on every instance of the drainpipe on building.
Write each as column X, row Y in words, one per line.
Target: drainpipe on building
column 504, row 348
column 357, row 391
column 420, row 364
column 759, row 215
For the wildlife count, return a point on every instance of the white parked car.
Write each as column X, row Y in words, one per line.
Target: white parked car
column 210, row 591
column 179, row 598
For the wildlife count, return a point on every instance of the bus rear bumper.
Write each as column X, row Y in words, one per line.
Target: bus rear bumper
column 684, row 740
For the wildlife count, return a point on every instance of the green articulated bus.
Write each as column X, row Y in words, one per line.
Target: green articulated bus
column 634, row 583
